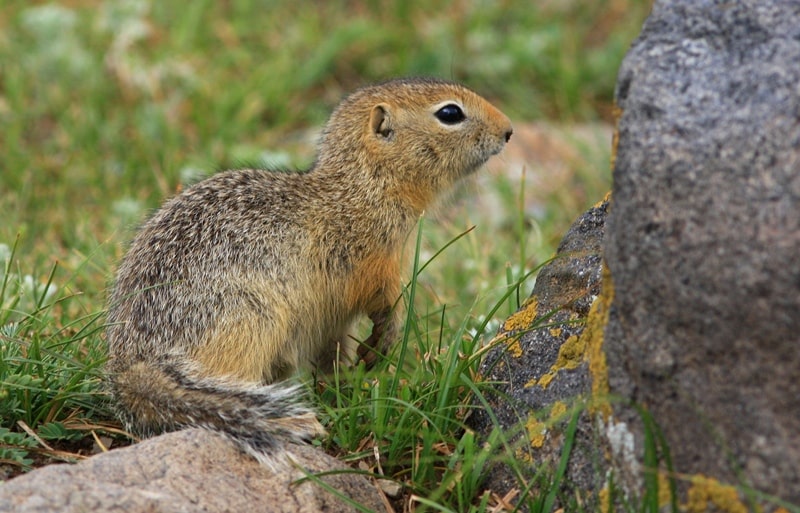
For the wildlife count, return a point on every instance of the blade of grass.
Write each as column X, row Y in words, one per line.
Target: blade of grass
column 569, row 440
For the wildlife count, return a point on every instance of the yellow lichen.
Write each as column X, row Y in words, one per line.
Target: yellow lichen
column 607, row 197
column 604, row 498
column 514, row 348
column 555, row 332
column 570, row 355
column 523, row 455
column 531, row 383
column 547, row 378
column 593, row 339
column 707, row 491
column 520, row 320
column 536, row 431
column 616, row 112
column 523, row 318
column 557, row 411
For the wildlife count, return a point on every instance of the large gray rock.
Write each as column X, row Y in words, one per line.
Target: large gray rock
column 703, row 239
column 697, row 321
column 186, row 471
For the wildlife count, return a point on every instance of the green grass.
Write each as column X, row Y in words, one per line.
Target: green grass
column 406, row 421
column 108, row 107
column 50, row 363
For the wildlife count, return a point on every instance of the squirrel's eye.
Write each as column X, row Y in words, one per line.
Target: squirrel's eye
column 450, row 114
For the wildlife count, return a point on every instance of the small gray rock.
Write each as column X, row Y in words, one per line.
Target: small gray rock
column 186, row 471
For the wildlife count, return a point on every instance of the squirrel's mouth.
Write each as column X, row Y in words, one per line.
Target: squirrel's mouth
column 498, row 146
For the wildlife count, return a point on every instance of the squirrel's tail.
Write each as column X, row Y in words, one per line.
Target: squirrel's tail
column 156, row 397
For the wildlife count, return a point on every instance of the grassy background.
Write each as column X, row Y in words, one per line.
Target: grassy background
column 108, row 107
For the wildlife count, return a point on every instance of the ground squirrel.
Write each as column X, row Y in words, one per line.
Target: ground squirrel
column 251, row 274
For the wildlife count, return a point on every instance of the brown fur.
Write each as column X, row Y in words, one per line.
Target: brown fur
column 251, row 274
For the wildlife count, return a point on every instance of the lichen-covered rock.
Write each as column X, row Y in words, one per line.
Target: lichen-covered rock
column 541, row 362
column 703, row 239
column 690, row 350
column 191, row 470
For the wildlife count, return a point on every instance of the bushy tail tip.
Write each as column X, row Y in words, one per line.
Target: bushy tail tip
column 262, row 420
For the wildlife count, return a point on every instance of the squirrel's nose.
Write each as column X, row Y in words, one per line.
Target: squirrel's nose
column 508, row 134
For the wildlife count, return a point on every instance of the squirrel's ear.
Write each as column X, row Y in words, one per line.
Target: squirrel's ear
column 380, row 121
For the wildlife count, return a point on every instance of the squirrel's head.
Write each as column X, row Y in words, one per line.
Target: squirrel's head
column 414, row 137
